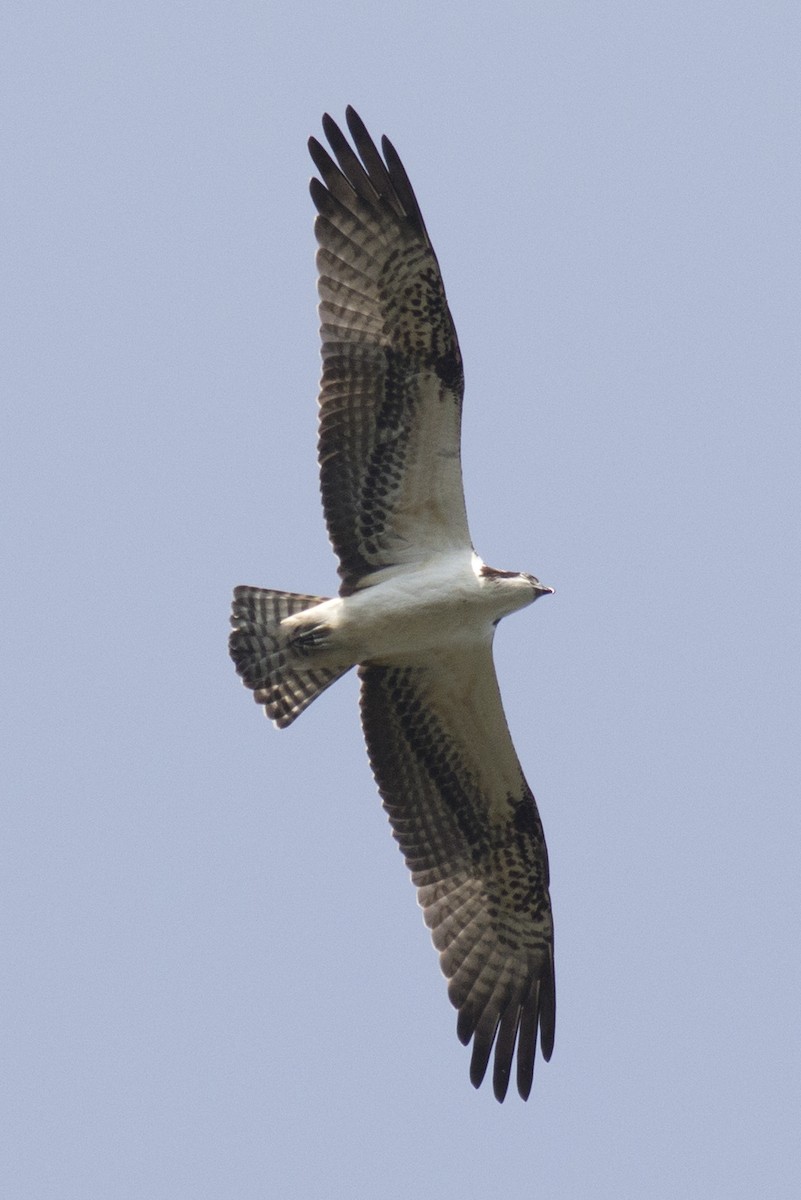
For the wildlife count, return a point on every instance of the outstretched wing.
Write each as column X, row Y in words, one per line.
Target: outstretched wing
column 392, row 383
column 469, row 829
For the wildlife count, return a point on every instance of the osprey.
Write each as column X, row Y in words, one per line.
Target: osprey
column 417, row 609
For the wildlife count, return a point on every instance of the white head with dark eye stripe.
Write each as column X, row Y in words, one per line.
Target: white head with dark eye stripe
column 539, row 589
column 517, row 588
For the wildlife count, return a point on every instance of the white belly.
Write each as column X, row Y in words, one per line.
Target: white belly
column 410, row 613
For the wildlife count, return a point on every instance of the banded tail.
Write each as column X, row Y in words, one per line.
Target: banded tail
column 263, row 653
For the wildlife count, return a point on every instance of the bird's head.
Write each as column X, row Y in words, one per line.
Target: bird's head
column 539, row 589
column 513, row 589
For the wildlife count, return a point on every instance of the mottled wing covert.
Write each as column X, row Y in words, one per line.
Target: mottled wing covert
column 392, row 383
column 470, row 832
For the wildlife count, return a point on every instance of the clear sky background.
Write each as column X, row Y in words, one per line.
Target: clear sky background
column 217, row 982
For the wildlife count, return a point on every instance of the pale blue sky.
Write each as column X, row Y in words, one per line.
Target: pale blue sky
column 217, row 982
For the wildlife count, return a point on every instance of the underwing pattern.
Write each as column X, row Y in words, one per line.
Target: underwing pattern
column 477, row 855
column 392, row 384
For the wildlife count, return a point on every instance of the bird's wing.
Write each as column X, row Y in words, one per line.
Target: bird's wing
column 392, row 383
column 469, row 829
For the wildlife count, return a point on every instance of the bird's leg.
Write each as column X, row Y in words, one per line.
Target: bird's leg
column 307, row 640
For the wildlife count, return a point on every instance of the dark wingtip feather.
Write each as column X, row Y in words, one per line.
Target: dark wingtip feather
column 524, row 1083
column 466, row 1024
column 505, row 1051
column 319, row 154
column 483, row 1040
column 358, row 129
column 547, row 1016
column 403, row 187
column 323, row 201
column 353, row 118
column 527, row 1043
column 479, row 1061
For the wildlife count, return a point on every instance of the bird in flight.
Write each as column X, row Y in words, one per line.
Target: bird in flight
column 417, row 608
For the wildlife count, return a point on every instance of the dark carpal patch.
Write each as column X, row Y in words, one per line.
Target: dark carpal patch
column 440, row 759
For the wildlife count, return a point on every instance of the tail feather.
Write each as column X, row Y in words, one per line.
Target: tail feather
column 263, row 657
